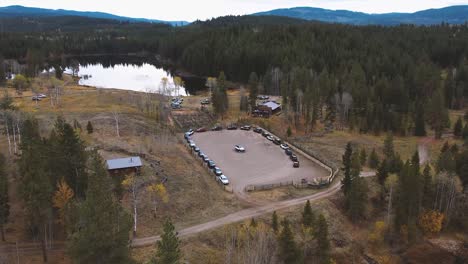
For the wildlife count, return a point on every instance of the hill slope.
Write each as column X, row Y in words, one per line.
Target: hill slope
column 451, row 15
column 21, row 11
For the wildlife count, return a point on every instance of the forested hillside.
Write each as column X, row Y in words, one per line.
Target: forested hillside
column 371, row 78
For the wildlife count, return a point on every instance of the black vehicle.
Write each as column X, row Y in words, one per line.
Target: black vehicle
column 232, row 127
column 296, row 164
column 201, row 154
column 217, row 128
column 265, row 134
column 205, row 101
column 245, row 128
column 206, row 159
column 211, row 164
column 257, row 130
column 288, row 152
column 277, row 141
column 217, row 171
column 196, row 149
column 293, row 157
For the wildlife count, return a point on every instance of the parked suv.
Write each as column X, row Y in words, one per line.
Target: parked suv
column 223, row 179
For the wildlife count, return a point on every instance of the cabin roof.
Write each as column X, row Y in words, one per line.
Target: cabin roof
column 123, row 163
column 272, row 105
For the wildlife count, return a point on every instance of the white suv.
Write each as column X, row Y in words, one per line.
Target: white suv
column 223, row 179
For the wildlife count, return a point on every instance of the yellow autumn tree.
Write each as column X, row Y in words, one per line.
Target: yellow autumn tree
column 430, row 222
column 158, row 193
column 376, row 237
column 61, row 198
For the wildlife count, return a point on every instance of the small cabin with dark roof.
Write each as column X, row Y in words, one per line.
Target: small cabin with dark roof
column 124, row 165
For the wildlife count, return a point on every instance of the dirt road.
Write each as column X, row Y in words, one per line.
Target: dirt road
column 247, row 214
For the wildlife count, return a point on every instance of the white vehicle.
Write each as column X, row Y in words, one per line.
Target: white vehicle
column 284, row 146
column 239, row 148
column 190, row 132
column 41, row 96
column 223, row 179
column 270, row 138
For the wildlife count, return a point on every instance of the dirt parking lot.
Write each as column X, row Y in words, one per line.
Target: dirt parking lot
column 262, row 163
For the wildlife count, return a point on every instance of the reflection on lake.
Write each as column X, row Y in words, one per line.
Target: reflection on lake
column 144, row 78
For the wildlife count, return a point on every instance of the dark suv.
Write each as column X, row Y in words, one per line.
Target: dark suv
column 232, row 127
column 217, row 128
column 288, row 152
column 211, row 164
column 258, row 130
column 293, row 157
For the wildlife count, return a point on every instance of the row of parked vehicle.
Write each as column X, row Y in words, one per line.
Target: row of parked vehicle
column 280, row 143
column 220, row 177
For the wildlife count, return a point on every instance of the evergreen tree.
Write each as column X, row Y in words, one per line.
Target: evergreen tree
column 419, row 122
column 289, row 131
column 356, row 200
column 4, row 200
column 347, row 180
column 219, row 95
column 253, row 223
column 274, row 222
column 35, row 186
column 2, row 71
column 438, row 114
column 100, row 234
column 323, row 242
column 288, row 250
column 427, row 192
column 458, row 128
column 253, row 88
column 168, row 251
column 308, row 217
column 363, row 157
column 382, row 172
column 373, row 160
column 68, row 157
column 465, row 132
column 389, row 149
column 89, row 127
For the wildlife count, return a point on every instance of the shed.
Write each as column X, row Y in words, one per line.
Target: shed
column 124, row 165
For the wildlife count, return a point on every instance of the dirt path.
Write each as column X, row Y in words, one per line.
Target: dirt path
column 247, row 214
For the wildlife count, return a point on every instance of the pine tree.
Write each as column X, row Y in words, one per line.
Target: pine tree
column 419, row 122
column 323, row 242
column 35, row 187
column 389, row 149
column 100, row 234
column 89, row 127
column 347, row 180
column 4, row 200
column 458, row 128
column 465, row 132
column 428, row 189
column 356, row 200
column 289, row 131
column 308, row 217
column 382, row 172
column 363, row 156
column 2, row 71
column 373, row 160
column 168, row 251
column 68, row 157
column 253, row 223
column 253, row 88
column 288, row 250
column 274, row 222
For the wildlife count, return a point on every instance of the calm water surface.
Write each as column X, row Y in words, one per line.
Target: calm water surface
column 144, row 78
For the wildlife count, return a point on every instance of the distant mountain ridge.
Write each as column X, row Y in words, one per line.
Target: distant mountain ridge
column 22, row 11
column 450, row 15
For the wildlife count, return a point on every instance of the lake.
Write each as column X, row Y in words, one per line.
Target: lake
column 143, row 77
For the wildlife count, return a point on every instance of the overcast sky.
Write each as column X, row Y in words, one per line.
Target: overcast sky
column 191, row 10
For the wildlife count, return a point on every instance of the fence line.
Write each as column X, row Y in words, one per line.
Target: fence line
column 310, row 156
